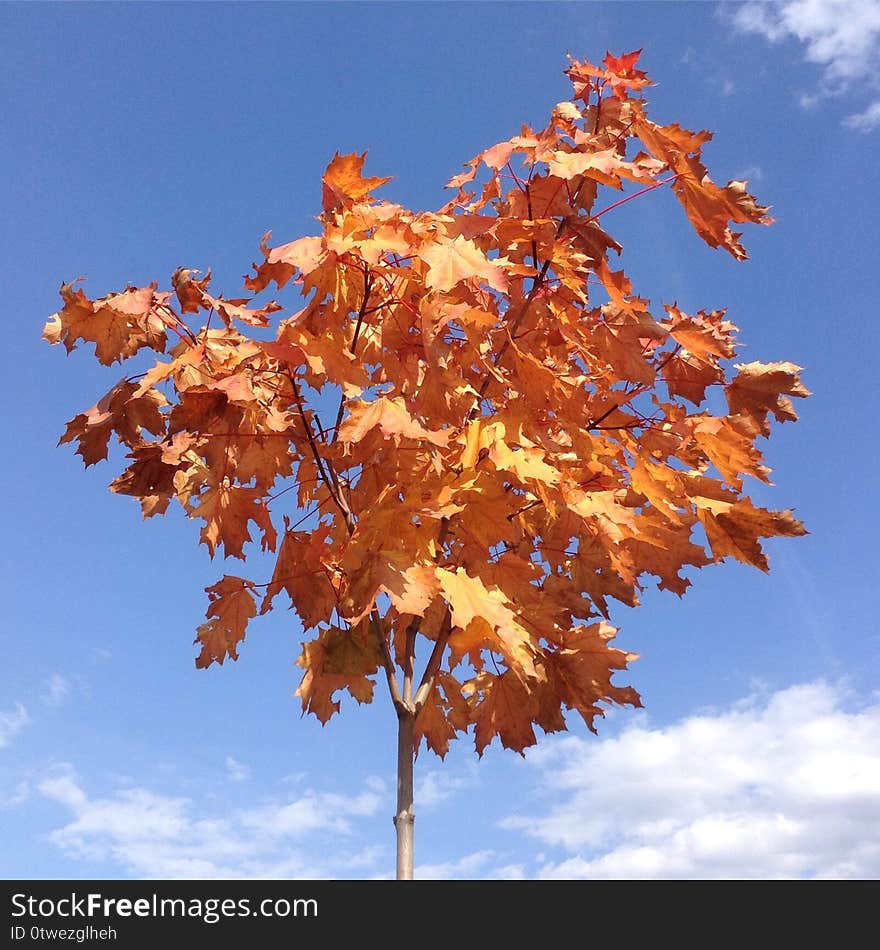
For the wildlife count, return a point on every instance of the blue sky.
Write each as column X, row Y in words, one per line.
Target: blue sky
column 141, row 137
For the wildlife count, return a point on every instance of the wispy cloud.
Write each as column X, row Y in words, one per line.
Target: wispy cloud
column 750, row 173
column 778, row 785
column 56, row 691
column 238, row 771
column 14, row 797
column 784, row 787
column 866, row 120
column 150, row 835
column 840, row 36
column 438, row 786
column 471, row 866
column 12, row 722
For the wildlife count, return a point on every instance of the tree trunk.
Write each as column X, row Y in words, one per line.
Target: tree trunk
column 405, row 818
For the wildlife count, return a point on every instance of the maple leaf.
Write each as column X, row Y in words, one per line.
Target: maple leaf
column 264, row 459
column 619, row 74
column 759, row 389
column 660, row 485
column 124, row 410
column 343, row 182
column 729, row 445
column 410, row 587
column 734, row 529
column 580, row 671
column 690, row 376
column 330, row 667
column 624, row 65
column 663, row 550
column 710, row 208
column 151, row 476
column 190, row 292
column 392, row 418
column 470, row 600
column 326, row 357
column 706, row 336
column 501, row 708
column 118, row 324
column 304, row 254
column 235, row 309
column 613, row 344
column 450, row 262
column 304, row 569
column 231, row 607
column 227, row 511
column 443, row 716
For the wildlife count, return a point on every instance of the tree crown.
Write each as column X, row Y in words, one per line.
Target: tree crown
column 473, row 436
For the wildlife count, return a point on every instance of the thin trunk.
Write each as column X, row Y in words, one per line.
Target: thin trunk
column 405, row 818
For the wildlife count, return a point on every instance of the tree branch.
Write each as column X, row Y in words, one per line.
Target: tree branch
column 594, row 423
column 430, row 674
column 536, row 286
column 409, row 657
column 531, row 218
column 387, row 663
column 368, row 286
column 637, row 194
column 533, row 292
column 532, row 504
column 330, row 482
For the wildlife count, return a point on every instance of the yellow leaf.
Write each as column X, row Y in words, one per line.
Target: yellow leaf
column 450, row 262
column 393, row 419
column 469, row 598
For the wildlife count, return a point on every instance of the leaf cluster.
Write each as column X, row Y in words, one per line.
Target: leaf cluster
column 470, row 438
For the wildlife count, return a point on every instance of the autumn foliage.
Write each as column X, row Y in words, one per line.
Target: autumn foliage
column 471, row 439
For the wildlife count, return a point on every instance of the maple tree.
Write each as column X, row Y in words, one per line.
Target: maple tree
column 486, row 435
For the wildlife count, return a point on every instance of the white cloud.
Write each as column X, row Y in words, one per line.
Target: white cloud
column 750, row 173
column 866, row 120
column 509, row 872
column 783, row 785
column 841, row 36
column 238, row 771
column 470, row 866
column 439, row 785
column 12, row 722
column 785, row 788
column 15, row 796
column 312, row 812
column 57, row 690
column 150, row 835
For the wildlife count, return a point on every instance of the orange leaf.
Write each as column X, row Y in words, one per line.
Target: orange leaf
column 328, row 670
column 450, row 262
column 344, row 184
column 119, row 324
column 733, row 529
column 503, row 710
column 227, row 511
column 761, row 388
column 469, row 598
column 231, row 607
column 393, row 419
column 303, row 570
